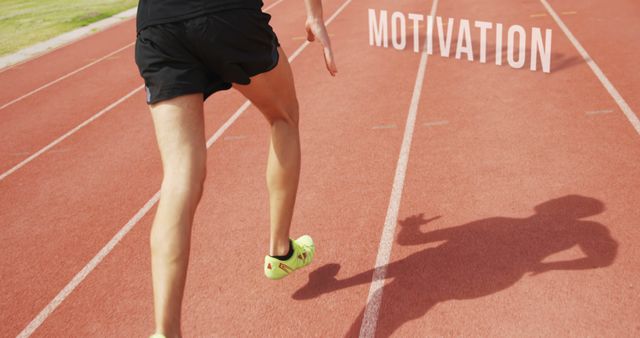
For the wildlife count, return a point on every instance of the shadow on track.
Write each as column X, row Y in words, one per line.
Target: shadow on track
column 475, row 259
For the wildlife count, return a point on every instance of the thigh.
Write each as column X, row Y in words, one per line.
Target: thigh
column 179, row 126
column 273, row 92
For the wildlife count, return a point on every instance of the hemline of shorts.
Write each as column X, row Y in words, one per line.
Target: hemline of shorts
column 172, row 93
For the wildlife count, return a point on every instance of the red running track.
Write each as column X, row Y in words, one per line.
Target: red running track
column 517, row 217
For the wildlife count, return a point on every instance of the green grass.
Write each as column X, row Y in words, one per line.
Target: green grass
column 25, row 22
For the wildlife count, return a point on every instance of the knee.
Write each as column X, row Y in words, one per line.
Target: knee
column 288, row 113
column 185, row 179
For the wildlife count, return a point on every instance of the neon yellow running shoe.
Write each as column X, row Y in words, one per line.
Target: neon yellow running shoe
column 303, row 251
column 157, row 335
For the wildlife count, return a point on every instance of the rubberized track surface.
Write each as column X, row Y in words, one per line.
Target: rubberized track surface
column 508, row 169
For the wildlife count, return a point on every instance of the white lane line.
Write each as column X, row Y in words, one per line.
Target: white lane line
column 69, row 133
column 601, row 111
column 631, row 116
column 80, row 276
column 435, row 123
column 374, row 299
column 64, row 77
column 93, row 263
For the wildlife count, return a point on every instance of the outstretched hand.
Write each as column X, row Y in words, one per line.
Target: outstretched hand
column 317, row 30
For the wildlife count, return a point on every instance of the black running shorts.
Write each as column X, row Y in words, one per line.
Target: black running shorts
column 205, row 54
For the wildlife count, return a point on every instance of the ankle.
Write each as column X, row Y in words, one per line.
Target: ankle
column 281, row 249
column 168, row 332
column 164, row 334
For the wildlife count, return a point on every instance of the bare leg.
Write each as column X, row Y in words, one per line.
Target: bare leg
column 179, row 129
column 274, row 94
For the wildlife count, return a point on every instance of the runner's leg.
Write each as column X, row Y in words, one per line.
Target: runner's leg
column 273, row 93
column 179, row 126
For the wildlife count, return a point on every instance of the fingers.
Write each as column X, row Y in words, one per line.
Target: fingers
column 328, row 52
column 317, row 30
column 330, row 62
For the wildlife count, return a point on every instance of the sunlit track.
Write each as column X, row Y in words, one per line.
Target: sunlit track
column 631, row 116
column 49, row 84
column 69, row 133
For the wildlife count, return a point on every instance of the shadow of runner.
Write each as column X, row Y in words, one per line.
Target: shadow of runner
column 476, row 259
